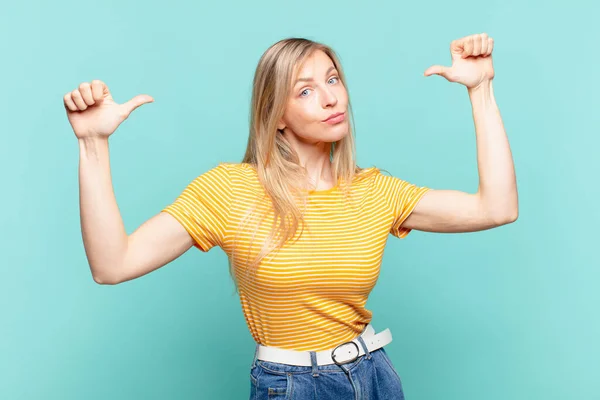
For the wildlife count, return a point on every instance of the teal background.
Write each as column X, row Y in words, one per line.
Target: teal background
column 510, row 313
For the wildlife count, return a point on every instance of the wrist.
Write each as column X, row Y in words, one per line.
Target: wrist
column 483, row 88
column 482, row 93
column 93, row 145
column 92, row 140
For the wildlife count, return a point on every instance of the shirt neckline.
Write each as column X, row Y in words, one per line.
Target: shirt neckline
column 325, row 191
column 312, row 192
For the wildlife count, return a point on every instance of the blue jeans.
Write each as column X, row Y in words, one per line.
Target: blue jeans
column 372, row 376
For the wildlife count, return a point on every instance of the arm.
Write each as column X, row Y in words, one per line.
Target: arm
column 114, row 256
column 496, row 201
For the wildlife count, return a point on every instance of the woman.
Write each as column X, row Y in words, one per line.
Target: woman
column 304, row 227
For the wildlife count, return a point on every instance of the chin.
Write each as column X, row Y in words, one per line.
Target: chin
column 328, row 135
column 337, row 133
column 333, row 138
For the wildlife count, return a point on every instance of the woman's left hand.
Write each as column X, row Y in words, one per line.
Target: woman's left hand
column 471, row 61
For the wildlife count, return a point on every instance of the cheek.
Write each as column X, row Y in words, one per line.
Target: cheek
column 303, row 114
column 342, row 95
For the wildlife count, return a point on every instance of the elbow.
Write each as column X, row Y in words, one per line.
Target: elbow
column 506, row 217
column 501, row 210
column 103, row 279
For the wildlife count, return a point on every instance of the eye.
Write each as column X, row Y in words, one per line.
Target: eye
column 330, row 79
column 303, row 92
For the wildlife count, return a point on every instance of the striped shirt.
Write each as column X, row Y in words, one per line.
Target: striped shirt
column 311, row 293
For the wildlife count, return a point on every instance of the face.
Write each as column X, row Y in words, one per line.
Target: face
column 317, row 93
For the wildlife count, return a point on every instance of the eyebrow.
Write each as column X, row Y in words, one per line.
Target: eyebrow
column 311, row 79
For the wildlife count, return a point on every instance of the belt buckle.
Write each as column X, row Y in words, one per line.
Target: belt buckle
column 338, row 346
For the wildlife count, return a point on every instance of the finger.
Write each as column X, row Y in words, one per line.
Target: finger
column 457, row 46
column 76, row 96
column 437, row 70
column 476, row 46
column 468, row 47
column 484, row 44
column 69, row 103
column 97, row 90
column 135, row 102
column 490, row 46
column 86, row 93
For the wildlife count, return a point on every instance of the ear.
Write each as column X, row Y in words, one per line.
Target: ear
column 280, row 125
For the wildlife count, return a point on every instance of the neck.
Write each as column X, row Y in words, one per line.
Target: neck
column 315, row 158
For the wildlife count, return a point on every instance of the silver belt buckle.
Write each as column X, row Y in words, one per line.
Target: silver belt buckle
column 333, row 356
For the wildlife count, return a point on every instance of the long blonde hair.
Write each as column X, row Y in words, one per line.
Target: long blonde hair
column 275, row 161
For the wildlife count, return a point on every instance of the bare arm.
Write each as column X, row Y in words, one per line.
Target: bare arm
column 113, row 256
column 104, row 236
column 154, row 244
column 496, row 201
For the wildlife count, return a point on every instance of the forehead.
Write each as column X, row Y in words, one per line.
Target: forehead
column 314, row 65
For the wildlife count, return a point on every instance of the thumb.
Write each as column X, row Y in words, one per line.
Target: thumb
column 438, row 70
column 135, row 102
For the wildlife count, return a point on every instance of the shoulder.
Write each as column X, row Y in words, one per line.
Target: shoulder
column 384, row 183
column 241, row 177
column 237, row 167
column 370, row 176
column 367, row 173
column 382, row 177
column 243, row 172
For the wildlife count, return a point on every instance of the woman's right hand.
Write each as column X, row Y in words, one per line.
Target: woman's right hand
column 93, row 113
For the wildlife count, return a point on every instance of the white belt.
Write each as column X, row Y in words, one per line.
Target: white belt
column 343, row 353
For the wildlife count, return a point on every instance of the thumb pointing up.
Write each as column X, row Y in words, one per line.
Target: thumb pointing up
column 134, row 103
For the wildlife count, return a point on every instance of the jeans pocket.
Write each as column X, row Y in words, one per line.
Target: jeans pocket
column 277, row 383
column 387, row 359
column 254, row 373
column 278, row 393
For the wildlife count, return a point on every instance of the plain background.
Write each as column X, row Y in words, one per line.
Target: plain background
column 510, row 313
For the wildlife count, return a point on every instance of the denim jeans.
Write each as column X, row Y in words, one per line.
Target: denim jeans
column 372, row 376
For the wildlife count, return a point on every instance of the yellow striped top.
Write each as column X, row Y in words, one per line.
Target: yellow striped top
column 311, row 294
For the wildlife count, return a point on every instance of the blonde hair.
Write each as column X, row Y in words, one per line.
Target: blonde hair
column 275, row 161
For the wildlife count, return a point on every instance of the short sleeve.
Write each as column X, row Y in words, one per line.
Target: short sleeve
column 203, row 207
column 402, row 197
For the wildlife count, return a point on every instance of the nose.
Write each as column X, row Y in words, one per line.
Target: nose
column 329, row 99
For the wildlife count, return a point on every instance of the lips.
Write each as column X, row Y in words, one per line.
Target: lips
column 333, row 116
